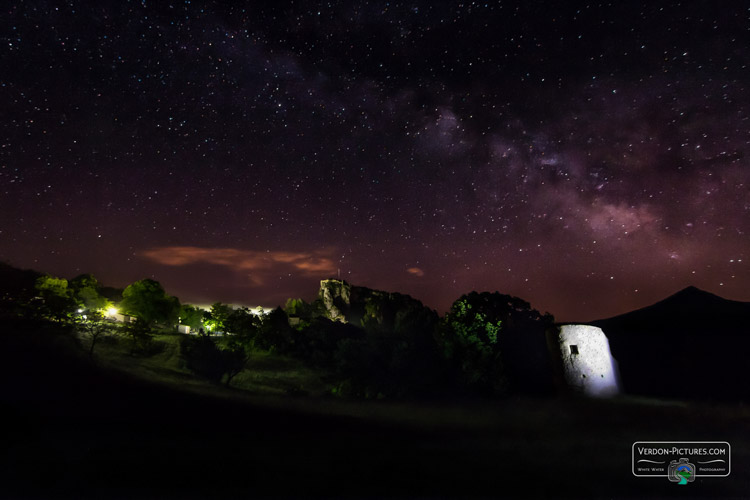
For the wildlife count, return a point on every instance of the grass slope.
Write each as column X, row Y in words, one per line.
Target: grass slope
column 266, row 374
column 75, row 429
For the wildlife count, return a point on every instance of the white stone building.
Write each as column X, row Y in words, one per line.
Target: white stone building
column 587, row 363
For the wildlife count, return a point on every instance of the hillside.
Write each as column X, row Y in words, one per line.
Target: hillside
column 688, row 312
column 693, row 344
column 16, row 282
column 83, row 431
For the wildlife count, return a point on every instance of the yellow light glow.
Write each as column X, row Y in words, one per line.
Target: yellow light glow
column 111, row 311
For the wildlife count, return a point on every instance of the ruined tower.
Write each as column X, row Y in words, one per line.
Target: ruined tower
column 587, row 363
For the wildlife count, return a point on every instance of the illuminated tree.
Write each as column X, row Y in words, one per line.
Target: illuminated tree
column 85, row 289
column 219, row 314
column 497, row 342
column 191, row 316
column 299, row 308
column 57, row 299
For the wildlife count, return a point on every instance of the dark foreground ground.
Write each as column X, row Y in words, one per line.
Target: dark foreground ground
column 72, row 430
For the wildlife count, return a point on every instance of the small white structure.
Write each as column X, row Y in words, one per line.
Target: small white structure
column 121, row 318
column 588, row 365
column 183, row 329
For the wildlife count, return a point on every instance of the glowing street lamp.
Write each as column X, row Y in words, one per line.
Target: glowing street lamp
column 111, row 311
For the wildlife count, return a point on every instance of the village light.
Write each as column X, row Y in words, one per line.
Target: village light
column 111, row 311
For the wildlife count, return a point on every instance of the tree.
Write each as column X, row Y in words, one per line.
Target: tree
column 110, row 293
column 397, row 355
column 85, row 288
column 94, row 326
column 84, row 280
column 498, row 342
column 140, row 334
column 206, row 359
column 318, row 342
column 243, row 324
column 299, row 308
column 90, row 299
column 147, row 300
column 57, row 299
column 234, row 359
column 219, row 314
column 274, row 332
column 191, row 316
column 202, row 357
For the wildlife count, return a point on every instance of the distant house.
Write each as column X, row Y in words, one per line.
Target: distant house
column 183, row 329
column 122, row 318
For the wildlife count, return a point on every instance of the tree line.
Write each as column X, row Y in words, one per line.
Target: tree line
column 487, row 343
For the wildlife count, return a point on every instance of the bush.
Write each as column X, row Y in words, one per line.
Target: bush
column 204, row 358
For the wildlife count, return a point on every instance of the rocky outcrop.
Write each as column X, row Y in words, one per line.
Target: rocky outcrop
column 365, row 307
column 335, row 296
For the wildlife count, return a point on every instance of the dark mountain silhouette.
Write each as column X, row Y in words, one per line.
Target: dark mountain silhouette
column 16, row 282
column 693, row 344
column 690, row 311
column 16, row 286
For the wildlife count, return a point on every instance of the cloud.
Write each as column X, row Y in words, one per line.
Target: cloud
column 415, row 271
column 258, row 265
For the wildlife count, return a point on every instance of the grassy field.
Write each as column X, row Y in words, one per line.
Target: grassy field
column 143, row 428
column 266, row 374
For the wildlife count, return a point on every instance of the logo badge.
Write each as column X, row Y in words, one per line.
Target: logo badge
column 681, row 461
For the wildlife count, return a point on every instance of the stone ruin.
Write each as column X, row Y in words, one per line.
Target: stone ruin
column 587, row 363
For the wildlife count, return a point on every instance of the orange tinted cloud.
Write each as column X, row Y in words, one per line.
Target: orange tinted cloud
column 415, row 271
column 305, row 263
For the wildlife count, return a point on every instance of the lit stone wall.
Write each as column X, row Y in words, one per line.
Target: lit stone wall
column 588, row 365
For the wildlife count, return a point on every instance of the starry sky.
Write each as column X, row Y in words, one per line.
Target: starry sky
column 590, row 158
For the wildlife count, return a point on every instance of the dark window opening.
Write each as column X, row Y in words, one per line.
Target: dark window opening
column 573, row 349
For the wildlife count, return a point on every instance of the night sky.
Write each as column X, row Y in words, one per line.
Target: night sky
column 589, row 158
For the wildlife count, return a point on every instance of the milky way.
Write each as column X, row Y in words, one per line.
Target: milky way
column 589, row 159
